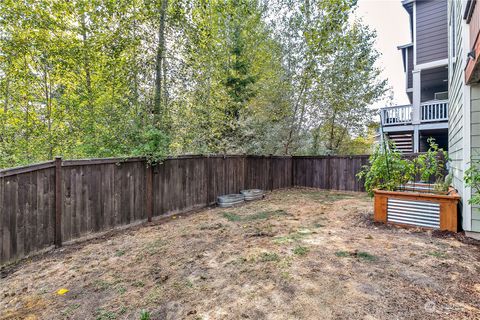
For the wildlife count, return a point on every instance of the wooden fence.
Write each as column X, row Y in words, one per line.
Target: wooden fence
column 60, row 201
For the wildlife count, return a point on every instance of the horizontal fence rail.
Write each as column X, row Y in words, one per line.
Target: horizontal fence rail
column 55, row 202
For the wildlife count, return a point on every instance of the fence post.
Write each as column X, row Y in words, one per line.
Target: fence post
column 207, row 177
column 149, row 191
column 329, row 162
column 58, row 202
column 225, row 184
column 270, row 172
column 292, row 171
column 246, row 184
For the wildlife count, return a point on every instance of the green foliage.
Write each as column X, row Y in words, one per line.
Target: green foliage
column 366, row 256
column 263, row 215
column 356, row 254
column 472, row 179
column 105, row 315
column 437, row 254
column 442, row 186
column 269, row 257
column 342, row 254
column 145, row 315
column 122, row 78
column 153, row 145
column 432, row 163
column 388, row 170
column 232, row 216
column 300, row 250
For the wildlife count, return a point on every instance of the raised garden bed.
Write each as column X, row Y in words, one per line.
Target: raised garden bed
column 417, row 208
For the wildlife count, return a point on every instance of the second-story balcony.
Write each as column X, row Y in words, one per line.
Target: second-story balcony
column 429, row 112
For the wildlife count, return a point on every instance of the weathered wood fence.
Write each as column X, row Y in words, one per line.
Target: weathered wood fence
column 60, row 201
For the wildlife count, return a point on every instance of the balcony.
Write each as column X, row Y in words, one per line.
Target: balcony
column 396, row 115
column 429, row 112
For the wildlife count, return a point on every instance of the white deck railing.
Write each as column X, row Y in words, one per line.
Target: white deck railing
column 434, row 111
column 396, row 115
column 430, row 111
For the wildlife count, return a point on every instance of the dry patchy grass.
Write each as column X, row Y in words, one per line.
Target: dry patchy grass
column 299, row 254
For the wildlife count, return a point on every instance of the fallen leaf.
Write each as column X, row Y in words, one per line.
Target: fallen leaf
column 62, row 291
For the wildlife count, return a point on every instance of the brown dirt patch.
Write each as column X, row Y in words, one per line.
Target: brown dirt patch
column 298, row 254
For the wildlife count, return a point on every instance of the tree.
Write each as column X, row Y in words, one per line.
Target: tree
column 101, row 78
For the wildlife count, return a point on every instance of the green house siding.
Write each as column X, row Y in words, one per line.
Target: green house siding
column 475, row 143
column 462, row 131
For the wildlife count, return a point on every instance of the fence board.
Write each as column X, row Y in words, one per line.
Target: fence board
column 26, row 212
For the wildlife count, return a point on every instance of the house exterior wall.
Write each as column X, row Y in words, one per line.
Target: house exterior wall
column 431, row 30
column 461, row 97
column 455, row 123
column 475, row 144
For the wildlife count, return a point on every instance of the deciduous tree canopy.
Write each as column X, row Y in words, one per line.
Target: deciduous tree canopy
column 99, row 78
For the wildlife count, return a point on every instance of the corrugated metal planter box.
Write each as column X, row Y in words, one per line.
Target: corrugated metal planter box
column 419, row 209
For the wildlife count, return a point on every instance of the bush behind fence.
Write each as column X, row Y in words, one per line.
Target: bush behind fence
column 60, row 201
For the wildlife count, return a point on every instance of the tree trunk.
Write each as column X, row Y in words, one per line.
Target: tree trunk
column 332, row 131
column 48, row 103
column 159, row 65
column 86, row 62
column 7, row 94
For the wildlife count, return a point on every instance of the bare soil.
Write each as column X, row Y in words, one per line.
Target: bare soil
column 298, row 254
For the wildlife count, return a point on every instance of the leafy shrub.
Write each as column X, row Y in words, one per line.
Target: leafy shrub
column 432, row 163
column 153, row 144
column 388, row 170
column 472, row 179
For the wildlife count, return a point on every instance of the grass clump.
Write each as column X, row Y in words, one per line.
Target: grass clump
column 119, row 253
column 105, row 315
column 232, row 217
column 342, row 254
column 263, row 215
column 300, row 250
column 292, row 237
column 437, row 254
column 155, row 246
column 138, row 284
column 269, row 257
column 101, row 285
column 145, row 315
column 68, row 311
column 328, row 196
column 365, row 256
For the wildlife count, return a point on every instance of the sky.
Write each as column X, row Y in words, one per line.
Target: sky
column 390, row 20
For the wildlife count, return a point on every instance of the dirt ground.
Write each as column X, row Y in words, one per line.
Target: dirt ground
column 298, row 254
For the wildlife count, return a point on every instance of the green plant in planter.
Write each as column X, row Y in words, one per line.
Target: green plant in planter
column 387, row 169
column 472, row 179
column 432, row 164
column 445, row 184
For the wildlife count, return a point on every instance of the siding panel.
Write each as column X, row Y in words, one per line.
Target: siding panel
column 432, row 30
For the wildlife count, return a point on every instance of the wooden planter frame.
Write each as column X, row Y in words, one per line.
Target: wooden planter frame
column 448, row 204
